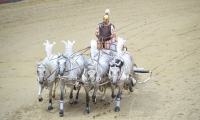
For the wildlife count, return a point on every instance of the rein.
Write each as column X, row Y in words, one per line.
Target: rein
column 74, row 68
column 71, row 63
column 85, row 49
column 51, row 74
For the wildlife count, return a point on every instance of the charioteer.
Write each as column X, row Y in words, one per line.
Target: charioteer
column 105, row 32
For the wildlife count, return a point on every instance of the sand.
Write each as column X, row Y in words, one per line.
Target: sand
column 162, row 35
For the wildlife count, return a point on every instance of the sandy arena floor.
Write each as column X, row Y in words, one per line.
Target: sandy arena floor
column 162, row 35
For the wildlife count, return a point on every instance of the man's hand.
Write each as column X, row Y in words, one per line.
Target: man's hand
column 98, row 36
column 103, row 38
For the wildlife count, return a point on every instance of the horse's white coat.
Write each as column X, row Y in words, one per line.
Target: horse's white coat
column 96, row 71
column 47, row 73
column 122, row 71
column 70, row 69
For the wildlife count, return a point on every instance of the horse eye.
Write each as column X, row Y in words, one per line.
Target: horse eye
column 37, row 71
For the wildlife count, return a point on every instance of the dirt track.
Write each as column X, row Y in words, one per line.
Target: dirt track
column 162, row 35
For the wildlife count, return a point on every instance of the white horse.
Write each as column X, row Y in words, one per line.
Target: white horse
column 70, row 69
column 121, row 71
column 96, row 72
column 47, row 74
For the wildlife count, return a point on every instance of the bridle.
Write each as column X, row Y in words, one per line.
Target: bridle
column 39, row 66
column 70, row 61
column 120, row 68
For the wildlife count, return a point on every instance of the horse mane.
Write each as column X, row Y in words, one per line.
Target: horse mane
column 48, row 48
column 94, row 49
column 68, row 47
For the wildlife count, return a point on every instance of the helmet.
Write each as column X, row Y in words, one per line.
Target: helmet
column 105, row 18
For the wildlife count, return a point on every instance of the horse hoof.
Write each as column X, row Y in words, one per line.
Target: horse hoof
column 75, row 102
column 102, row 100
column 61, row 113
column 94, row 101
column 113, row 96
column 40, row 99
column 50, row 108
column 75, row 88
column 86, row 112
column 71, row 102
column 117, row 109
column 131, row 90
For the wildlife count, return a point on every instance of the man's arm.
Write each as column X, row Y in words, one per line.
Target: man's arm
column 97, row 31
column 113, row 34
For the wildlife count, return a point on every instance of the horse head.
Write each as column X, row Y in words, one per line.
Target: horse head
column 115, row 70
column 41, row 70
column 90, row 70
column 62, row 60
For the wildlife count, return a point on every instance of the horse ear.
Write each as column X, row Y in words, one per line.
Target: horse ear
column 65, row 54
column 58, row 54
column 109, row 74
column 37, row 63
column 110, row 62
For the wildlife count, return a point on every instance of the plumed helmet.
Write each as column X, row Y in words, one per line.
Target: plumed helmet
column 105, row 18
column 107, row 11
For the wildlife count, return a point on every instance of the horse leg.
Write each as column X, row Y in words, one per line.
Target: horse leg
column 132, row 83
column 50, row 107
column 96, row 87
column 76, row 101
column 62, row 88
column 87, row 110
column 71, row 101
column 117, row 108
column 54, row 89
column 103, row 96
column 131, row 86
column 41, row 87
column 113, row 90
